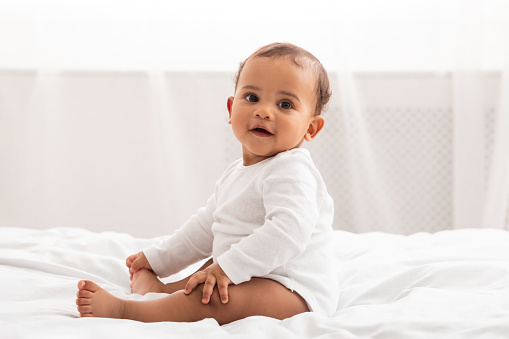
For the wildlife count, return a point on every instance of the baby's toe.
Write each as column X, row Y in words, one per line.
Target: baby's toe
column 82, row 301
column 84, row 294
column 88, row 286
column 85, row 310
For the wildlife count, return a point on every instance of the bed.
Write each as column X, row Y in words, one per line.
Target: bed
column 450, row 284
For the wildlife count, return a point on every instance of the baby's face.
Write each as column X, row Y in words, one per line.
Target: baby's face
column 273, row 108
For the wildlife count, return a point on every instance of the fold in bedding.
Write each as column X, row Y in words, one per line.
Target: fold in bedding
column 451, row 284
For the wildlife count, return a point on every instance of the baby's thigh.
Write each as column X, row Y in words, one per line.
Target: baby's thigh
column 257, row 297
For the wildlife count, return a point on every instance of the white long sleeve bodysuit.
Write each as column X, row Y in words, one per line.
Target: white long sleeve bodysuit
column 270, row 220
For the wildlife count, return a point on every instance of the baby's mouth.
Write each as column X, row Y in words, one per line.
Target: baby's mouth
column 261, row 132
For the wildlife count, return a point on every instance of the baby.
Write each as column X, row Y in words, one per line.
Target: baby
column 268, row 224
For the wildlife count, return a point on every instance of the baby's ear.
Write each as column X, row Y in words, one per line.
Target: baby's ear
column 315, row 126
column 229, row 105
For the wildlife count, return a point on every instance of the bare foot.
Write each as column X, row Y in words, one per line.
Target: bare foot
column 145, row 281
column 93, row 301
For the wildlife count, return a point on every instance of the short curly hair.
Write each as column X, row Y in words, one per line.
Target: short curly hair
column 300, row 58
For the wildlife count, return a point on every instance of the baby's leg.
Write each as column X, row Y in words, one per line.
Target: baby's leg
column 256, row 297
column 145, row 281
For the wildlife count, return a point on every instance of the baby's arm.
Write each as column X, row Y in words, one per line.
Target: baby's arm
column 189, row 244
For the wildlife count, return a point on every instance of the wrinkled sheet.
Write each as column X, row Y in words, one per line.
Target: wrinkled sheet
column 451, row 284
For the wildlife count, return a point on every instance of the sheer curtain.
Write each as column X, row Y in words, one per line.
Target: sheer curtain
column 496, row 212
column 429, row 150
column 481, row 159
column 113, row 113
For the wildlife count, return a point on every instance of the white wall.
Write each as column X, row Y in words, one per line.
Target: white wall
column 410, row 35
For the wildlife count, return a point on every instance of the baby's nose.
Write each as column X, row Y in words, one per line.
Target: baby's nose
column 264, row 113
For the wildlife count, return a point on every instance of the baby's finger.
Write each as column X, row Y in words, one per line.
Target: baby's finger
column 194, row 281
column 222, row 287
column 208, row 288
column 139, row 263
column 129, row 261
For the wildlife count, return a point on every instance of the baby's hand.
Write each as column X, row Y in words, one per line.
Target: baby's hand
column 136, row 262
column 211, row 276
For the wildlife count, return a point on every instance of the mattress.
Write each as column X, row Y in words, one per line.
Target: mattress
column 450, row 284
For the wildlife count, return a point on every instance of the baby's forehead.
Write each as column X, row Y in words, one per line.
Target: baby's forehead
column 301, row 65
column 298, row 62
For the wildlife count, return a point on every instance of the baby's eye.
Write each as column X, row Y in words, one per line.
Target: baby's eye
column 251, row 98
column 285, row 105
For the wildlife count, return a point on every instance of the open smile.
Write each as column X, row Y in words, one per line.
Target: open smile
column 261, row 132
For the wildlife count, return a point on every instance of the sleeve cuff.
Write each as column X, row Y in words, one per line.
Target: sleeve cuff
column 236, row 275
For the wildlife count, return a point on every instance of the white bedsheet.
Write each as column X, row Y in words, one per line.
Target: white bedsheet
column 452, row 284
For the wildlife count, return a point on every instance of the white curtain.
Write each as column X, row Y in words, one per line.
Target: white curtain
column 113, row 113
column 133, row 152
column 449, row 141
column 496, row 212
column 481, row 159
